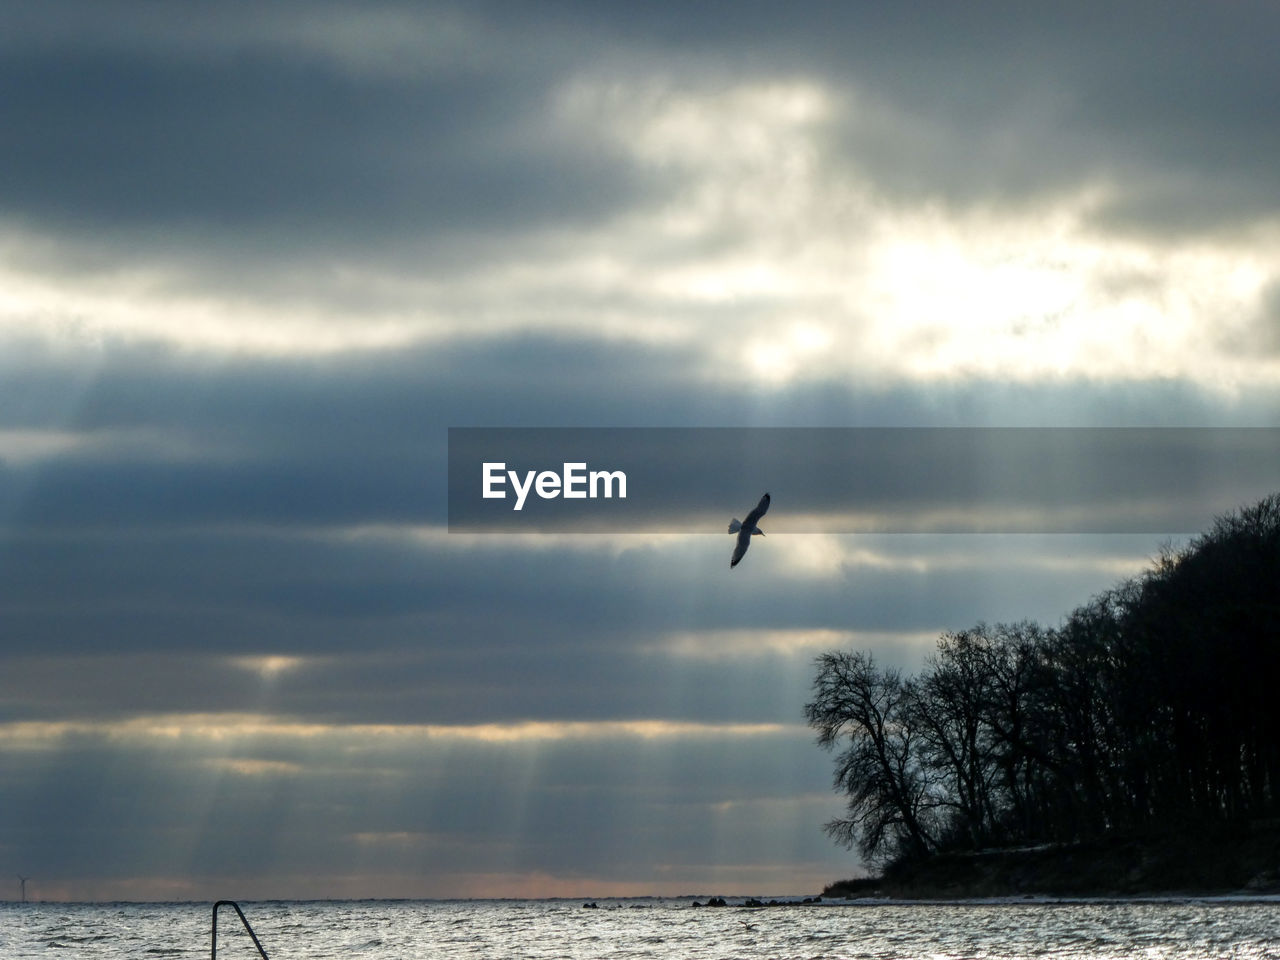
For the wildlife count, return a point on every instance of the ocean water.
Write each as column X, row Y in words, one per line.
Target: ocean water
column 414, row 930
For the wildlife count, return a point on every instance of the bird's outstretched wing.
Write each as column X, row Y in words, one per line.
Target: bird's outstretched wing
column 761, row 509
column 747, row 529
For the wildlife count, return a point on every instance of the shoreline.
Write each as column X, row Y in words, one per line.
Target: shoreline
column 1240, row 863
column 1033, row 900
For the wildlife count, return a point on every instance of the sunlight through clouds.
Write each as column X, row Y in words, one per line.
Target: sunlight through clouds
column 803, row 556
column 253, row 767
column 829, row 281
column 172, row 306
column 1025, row 298
column 269, row 666
column 734, row 645
column 222, row 729
column 762, row 251
column 257, row 262
column 20, row 447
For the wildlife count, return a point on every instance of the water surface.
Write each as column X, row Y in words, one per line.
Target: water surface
column 650, row 929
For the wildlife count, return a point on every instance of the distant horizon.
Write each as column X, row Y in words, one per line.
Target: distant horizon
column 791, row 900
column 789, row 897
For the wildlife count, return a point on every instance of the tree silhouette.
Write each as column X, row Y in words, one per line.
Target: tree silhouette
column 1150, row 708
column 889, row 795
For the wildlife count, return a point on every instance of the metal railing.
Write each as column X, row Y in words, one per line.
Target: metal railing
column 235, row 906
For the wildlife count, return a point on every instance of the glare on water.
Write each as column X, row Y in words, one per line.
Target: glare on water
column 409, row 930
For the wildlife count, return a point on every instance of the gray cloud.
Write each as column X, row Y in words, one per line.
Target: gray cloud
column 391, row 632
column 169, row 514
column 1260, row 333
column 161, row 440
column 237, row 532
column 260, row 145
column 591, row 809
column 258, row 123
column 404, row 400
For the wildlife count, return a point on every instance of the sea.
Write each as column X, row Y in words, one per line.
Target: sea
column 648, row 928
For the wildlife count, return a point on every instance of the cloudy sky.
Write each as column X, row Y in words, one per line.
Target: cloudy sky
column 256, row 260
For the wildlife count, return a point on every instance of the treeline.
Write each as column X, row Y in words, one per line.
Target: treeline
column 1154, row 707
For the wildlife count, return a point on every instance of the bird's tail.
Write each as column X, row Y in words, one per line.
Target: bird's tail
column 735, row 525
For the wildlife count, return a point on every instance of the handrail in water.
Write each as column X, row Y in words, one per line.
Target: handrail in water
column 243, row 919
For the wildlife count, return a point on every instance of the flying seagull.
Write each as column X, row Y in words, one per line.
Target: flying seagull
column 747, row 529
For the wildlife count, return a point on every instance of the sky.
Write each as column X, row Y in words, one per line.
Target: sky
column 257, row 260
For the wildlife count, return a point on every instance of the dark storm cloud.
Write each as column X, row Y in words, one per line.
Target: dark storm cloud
column 167, row 446
column 260, row 123
column 234, row 527
column 394, row 632
column 1171, row 105
column 403, row 399
column 262, row 512
column 283, row 147
column 171, row 442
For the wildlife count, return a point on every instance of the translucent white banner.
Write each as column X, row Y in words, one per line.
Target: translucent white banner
column 856, row 480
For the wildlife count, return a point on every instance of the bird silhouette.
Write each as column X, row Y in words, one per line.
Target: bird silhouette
column 747, row 529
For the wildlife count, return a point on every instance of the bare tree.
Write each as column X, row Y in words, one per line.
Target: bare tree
column 951, row 713
column 1150, row 708
column 889, row 793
